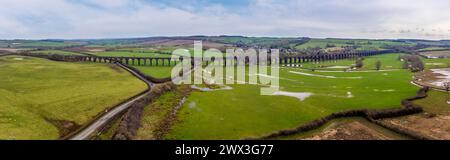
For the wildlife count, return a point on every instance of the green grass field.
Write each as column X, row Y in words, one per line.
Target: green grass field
column 130, row 54
column 389, row 62
column 361, row 44
column 242, row 112
column 34, row 90
column 436, row 102
column 35, row 43
column 436, row 63
column 155, row 71
column 60, row 52
column 431, row 48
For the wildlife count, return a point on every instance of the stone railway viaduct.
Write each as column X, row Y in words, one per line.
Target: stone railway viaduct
column 145, row 61
column 155, row 61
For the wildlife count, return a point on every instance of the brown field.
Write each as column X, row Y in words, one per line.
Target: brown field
column 13, row 50
column 431, row 125
column 354, row 129
column 436, row 54
column 181, row 43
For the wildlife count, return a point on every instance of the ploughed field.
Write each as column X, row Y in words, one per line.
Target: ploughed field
column 39, row 97
column 239, row 111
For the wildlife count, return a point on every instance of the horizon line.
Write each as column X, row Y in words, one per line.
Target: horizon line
column 187, row 36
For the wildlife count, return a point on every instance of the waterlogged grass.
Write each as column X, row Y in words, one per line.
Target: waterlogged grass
column 33, row 90
column 243, row 112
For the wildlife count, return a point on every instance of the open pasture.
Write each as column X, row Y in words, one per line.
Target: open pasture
column 35, row 92
column 59, row 52
column 242, row 112
column 129, row 54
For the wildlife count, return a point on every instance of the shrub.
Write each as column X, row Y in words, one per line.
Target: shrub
column 378, row 65
column 359, row 63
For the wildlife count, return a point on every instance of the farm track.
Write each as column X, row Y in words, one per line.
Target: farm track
column 86, row 132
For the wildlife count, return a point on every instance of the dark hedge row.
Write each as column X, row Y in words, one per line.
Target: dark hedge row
column 371, row 115
column 131, row 121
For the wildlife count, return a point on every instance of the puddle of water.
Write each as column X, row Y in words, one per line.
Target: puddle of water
column 272, row 77
column 323, row 76
column 349, row 95
column 192, row 105
column 299, row 95
column 338, row 67
column 444, row 78
column 445, row 73
column 386, row 90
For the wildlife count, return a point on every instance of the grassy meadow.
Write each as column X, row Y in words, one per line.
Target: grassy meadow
column 60, row 52
column 130, row 54
column 242, row 112
column 388, row 62
column 436, row 63
column 436, row 102
column 361, row 44
column 34, row 91
column 156, row 71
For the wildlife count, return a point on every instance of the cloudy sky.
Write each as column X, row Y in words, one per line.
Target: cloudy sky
column 42, row 19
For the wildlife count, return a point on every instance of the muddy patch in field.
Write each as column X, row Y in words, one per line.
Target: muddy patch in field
column 64, row 127
column 116, row 68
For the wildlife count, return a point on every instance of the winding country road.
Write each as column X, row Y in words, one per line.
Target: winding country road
column 103, row 120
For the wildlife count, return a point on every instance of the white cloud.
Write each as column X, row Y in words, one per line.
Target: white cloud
column 124, row 18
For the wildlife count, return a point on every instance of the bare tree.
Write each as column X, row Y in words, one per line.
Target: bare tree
column 359, row 63
column 378, row 65
column 447, row 86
